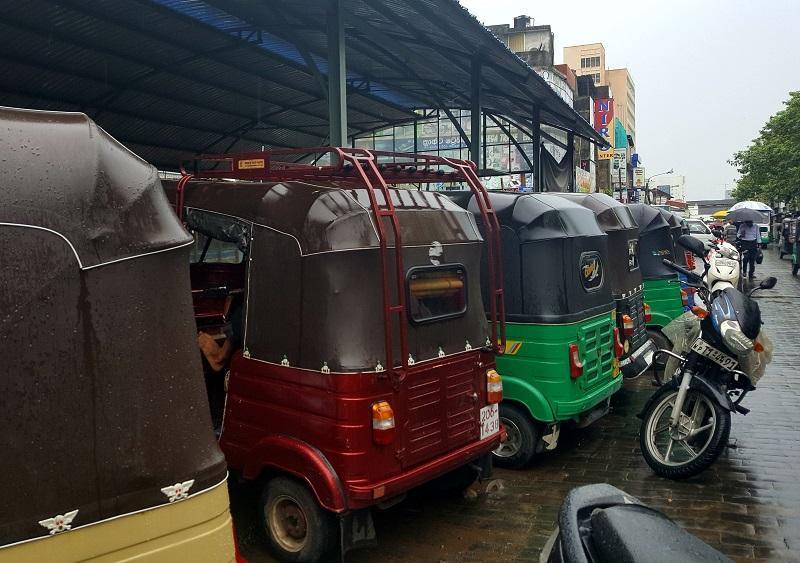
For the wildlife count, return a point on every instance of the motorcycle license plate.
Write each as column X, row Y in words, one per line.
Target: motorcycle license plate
column 707, row 351
column 489, row 421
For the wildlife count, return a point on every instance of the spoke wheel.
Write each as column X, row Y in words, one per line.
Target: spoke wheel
column 693, row 444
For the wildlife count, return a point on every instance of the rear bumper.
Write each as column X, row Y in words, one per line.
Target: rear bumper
column 641, row 359
column 566, row 410
column 362, row 495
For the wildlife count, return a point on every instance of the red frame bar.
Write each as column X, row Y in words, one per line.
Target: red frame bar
column 362, row 166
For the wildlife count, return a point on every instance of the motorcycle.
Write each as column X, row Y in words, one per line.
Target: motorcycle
column 600, row 523
column 686, row 423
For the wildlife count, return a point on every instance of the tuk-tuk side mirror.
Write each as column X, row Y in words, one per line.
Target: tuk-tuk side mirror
column 768, row 283
column 693, row 245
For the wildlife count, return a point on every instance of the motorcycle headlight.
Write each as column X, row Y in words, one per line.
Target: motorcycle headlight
column 734, row 338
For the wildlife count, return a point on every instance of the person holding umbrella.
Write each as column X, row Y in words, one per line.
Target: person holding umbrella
column 748, row 236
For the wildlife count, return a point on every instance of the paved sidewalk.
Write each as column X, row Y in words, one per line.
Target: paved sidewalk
column 747, row 505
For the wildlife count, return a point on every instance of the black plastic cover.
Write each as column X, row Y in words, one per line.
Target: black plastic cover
column 555, row 258
column 616, row 221
column 734, row 305
column 638, row 534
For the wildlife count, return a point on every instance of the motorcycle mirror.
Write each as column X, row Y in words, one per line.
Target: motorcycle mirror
column 693, row 245
column 768, row 283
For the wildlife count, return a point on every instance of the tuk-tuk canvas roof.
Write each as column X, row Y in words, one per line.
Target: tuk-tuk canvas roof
column 647, row 217
column 325, row 217
column 541, row 216
column 611, row 214
column 79, row 182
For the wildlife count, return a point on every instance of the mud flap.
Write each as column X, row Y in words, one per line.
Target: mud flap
column 550, row 440
column 483, row 467
column 356, row 530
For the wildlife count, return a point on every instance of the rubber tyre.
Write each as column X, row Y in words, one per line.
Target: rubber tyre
column 525, row 432
column 321, row 529
column 781, row 257
column 662, row 343
column 454, row 482
column 795, row 267
column 719, row 439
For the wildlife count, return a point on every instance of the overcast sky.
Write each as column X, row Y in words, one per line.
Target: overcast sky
column 708, row 73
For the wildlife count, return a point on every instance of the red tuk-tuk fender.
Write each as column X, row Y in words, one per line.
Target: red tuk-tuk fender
column 302, row 460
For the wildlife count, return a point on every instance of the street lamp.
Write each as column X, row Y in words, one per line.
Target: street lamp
column 647, row 183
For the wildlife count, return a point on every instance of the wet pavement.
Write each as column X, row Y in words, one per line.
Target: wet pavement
column 747, row 504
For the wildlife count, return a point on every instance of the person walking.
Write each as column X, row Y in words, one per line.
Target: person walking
column 748, row 235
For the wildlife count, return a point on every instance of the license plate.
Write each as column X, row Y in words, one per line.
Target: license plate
column 489, row 421
column 707, row 351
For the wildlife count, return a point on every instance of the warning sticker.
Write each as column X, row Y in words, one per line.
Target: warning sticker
column 251, row 163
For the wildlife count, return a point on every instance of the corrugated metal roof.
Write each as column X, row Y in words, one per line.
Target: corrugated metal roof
column 170, row 77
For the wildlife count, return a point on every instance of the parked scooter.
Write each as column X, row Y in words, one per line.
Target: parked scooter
column 600, row 523
column 686, row 423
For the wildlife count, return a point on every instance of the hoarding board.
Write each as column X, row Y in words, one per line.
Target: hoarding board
column 638, row 177
column 604, row 124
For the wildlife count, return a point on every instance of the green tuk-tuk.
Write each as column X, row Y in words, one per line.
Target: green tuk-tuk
column 625, row 280
column 559, row 363
column 662, row 288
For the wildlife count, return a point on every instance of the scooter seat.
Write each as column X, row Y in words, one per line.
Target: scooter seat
column 635, row 533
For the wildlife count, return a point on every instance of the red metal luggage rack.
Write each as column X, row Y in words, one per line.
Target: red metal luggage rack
column 362, row 166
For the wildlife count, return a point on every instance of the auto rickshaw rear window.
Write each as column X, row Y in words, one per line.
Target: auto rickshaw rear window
column 436, row 293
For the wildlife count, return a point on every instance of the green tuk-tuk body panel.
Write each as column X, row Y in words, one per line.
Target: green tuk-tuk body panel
column 535, row 367
column 664, row 298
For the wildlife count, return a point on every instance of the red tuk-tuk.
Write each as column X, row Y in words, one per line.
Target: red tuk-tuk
column 366, row 365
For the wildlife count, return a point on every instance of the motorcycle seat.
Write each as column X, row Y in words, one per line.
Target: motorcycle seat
column 635, row 533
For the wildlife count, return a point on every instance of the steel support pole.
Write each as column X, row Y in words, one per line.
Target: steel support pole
column 571, row 154
column 536, row 137
column 476, row 114
column 337, row 75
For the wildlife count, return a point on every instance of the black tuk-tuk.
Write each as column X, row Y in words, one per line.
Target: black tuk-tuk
column 625, row 278
column 662, row 288
column 787, row 236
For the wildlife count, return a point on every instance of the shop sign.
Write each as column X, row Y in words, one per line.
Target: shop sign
column 638, row 177
column 583, row 180
column 604, row 124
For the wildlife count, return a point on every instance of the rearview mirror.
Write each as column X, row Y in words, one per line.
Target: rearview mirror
column 693, row 245
column 768, row 283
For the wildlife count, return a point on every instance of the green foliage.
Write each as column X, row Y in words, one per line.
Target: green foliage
column 770, row 166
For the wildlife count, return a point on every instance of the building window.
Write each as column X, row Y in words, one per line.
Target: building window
column 596, row 77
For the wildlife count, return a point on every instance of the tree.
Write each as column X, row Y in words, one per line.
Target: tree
column 770, row 166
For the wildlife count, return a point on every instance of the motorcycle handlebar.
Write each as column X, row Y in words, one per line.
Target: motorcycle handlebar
column 690, row 275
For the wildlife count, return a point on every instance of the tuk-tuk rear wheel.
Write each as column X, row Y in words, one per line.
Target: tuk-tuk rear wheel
column 297, row 528
column 523, row 434
column 662, row 343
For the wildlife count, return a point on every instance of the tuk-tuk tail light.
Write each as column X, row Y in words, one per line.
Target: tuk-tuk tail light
column 648, row 316
column 619, row 349
column 575, row 363
column 383, row 426
column 684, row 298
column 494, row 387
column 758, row 347
column 627, row 325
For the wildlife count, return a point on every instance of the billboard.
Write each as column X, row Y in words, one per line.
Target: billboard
column 604, row 124
column 638, row 178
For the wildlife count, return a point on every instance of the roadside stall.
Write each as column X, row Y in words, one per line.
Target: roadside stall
column 107, row 450
column 559, row 364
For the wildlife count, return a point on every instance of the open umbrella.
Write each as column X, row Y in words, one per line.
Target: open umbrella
column 745, row 214
column 757, row 205
column 719, row 214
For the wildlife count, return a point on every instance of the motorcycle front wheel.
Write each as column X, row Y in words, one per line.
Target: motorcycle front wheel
column 690, row 448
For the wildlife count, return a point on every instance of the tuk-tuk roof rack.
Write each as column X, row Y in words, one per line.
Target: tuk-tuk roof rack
column 374, row 170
